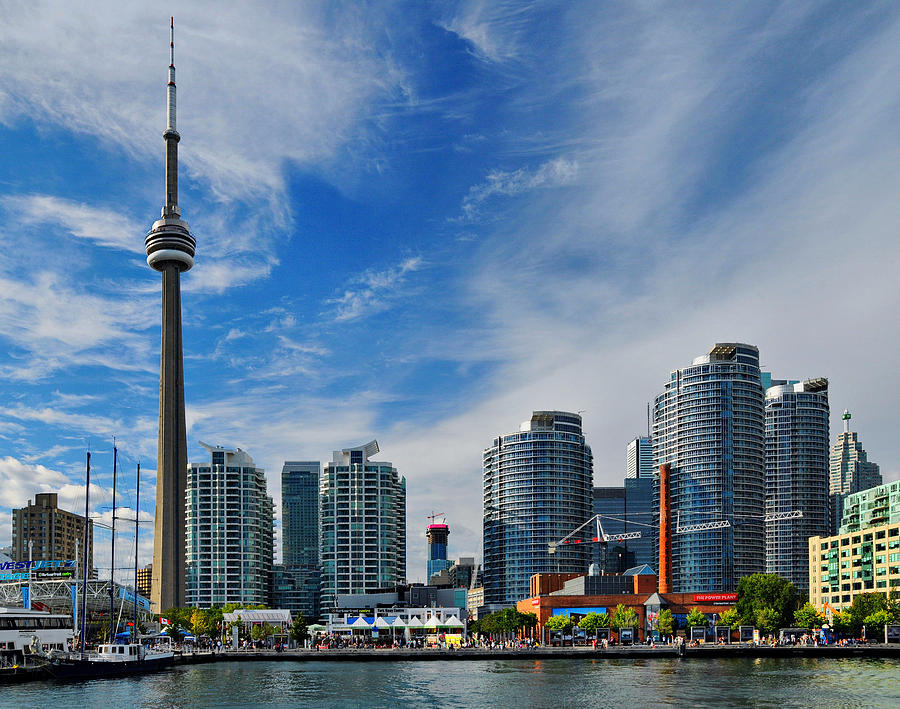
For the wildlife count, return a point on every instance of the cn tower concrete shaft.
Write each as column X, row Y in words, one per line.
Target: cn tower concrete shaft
column 168, row 539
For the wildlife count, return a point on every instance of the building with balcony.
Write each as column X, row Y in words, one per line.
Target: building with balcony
column 796, row 475
column 229, row 534
column 871, row 508
column 709, row 426
column 866, row 560
column 537, row 489
column 363, row 522
column 54, row 533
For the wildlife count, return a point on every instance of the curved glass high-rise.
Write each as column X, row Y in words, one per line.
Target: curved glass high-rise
column 538, row 485
column 709, row 426
column 796, row 474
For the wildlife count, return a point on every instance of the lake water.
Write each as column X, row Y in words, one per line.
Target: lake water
column 503, row 683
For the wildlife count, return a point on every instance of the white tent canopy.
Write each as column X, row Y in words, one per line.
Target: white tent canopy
column 381, row 623
column 453, row 622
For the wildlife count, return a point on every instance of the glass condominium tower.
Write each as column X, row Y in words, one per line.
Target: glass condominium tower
column 796, row 474
column 537, row 488
column 229, row 535
column 709, row 426
column 296, row 581
column 363, row 508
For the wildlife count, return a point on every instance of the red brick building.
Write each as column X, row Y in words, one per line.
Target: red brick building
column 640, row 595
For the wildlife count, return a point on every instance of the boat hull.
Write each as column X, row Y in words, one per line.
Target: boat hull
column 90, row 669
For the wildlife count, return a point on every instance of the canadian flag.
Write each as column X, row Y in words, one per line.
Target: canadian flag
column 165, row 621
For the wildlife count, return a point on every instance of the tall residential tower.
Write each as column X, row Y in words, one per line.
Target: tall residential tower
column 537, row 489
column 229, row 530
column 796, row 475
column 295, row 582
column 709, row 427
column 437, row 535
column 363, row 507
column 170, row 250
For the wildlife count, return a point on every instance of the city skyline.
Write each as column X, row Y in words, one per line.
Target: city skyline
column 423, row 191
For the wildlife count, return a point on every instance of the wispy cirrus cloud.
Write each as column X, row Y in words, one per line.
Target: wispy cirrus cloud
column 374, row 291
column 553, row 173
column 104, row 227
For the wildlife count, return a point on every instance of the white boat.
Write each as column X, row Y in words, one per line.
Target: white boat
column 25, row 632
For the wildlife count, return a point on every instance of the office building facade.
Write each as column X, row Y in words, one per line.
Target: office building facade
column 363, row 539
column 709, row 426
column 229, row 532
column 295, row 582
column 797, row 441
column 54, row 533
column 850, row 470
column 639, row 458
column 537, row 489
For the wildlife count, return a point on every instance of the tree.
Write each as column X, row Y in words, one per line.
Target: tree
column 766, row 591
column 730, row 618
column 594, row 620
column 695, row 617
column 200, row 622
column 877, row 620
column 767, row 620
column 299, row 631
column 808, row 617
column 560, row 622
column 864, row 605
column 215, row 622
column 623, row 617
column 840, row 623
column 665, row 622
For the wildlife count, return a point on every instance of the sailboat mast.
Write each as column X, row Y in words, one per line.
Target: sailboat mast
column 137, row 514
column 84, row 553
column 112, row 570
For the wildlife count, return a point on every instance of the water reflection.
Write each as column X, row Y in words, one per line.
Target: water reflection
column 521, row 683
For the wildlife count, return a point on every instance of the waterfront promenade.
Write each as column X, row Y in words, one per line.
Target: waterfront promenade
column 546, row 653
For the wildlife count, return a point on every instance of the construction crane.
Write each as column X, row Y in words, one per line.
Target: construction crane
column 599, row 535
column 434, row 515
column 723, row 523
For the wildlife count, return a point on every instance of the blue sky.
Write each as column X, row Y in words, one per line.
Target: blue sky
column 418, row 222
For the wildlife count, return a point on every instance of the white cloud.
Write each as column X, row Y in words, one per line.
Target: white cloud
column 102, row 226
column 58, row 325
column 553, row 173
column 20, row 481
column 374, row 291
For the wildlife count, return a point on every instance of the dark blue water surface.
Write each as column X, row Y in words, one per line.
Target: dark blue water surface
column 504, row 684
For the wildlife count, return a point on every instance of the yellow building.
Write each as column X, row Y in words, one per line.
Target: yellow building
column 863, row 561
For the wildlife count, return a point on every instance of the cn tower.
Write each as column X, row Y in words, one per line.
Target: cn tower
column 170, row 250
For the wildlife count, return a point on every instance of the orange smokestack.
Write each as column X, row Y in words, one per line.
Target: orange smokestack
column 665, row 532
